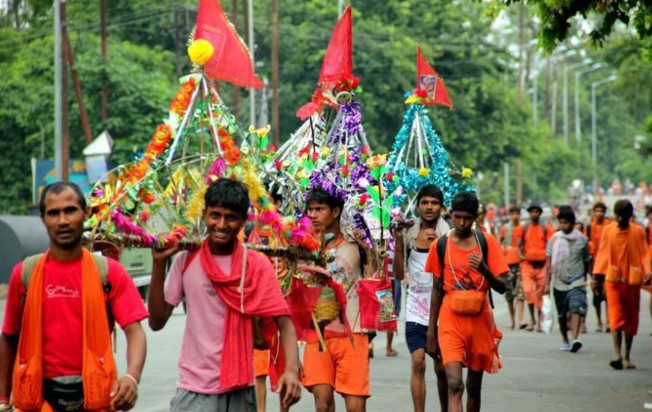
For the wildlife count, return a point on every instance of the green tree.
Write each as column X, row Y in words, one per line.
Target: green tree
column 602, row 16
column 140, row 91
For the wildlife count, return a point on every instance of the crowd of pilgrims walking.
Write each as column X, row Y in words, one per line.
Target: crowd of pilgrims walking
column 55, row 347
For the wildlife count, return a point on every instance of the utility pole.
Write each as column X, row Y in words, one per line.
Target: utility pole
column 594, row 130
column 521, row 66
column 76, row 84
column 252, row 91
column 105, row 61
column 58, row 106
column 235, row 90
column 65, row 131
column 276, row 134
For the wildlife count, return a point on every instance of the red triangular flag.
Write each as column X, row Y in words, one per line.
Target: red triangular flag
column 338, row 61
column 429, row 81
column 231, row 61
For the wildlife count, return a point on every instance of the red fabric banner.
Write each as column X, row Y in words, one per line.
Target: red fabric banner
column 429, row 81
column 231, row 61
column 338, row 61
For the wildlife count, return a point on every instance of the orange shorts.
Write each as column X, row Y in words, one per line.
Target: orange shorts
column 261, row 362
column 342, row 366
column 533, row 281
column 467, row 339
column 623, row 306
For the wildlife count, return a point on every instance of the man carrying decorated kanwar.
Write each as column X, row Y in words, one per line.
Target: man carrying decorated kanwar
column 225, row 285
column 465, row 264
column 623, row 259
column 59, row 314
column 343, row 366
column 568, row 263
column 510, row 234
column 594, row 233
column 533, row 268
column 416, row 244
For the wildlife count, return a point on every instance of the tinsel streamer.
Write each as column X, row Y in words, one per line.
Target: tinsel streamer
column 129, row 228
column 195, row 207
column 352, row 117
column 362, row 225
column 408, row 177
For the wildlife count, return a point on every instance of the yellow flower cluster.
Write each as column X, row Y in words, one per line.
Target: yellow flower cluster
column 200, row 51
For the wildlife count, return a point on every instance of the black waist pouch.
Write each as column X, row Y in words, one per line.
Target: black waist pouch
column 64, row 393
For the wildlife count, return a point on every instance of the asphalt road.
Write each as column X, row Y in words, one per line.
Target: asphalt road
column 536, row 375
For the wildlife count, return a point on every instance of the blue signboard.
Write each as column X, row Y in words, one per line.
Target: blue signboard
column 43, row 174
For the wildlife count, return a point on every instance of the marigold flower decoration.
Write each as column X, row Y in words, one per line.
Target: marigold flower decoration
column 200, row 51
column 231, row 152
column 156, row 146
column 181, row 101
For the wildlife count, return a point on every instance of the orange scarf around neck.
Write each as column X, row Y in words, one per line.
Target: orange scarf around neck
column 98, row 365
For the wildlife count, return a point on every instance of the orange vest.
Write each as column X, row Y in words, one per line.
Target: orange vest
column 98, row 365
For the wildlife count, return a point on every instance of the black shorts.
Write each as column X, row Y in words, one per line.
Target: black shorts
column 415, row 336
column 571, row 302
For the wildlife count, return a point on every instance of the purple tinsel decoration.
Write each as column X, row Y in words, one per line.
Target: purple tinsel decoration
column 352, row 117
column 361, row 224
column 322, row 180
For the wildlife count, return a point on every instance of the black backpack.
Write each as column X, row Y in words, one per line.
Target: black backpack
column 484, row 248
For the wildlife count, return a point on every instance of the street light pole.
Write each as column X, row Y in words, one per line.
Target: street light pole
column 594, row 132
column 578, row 126
column 565, row 103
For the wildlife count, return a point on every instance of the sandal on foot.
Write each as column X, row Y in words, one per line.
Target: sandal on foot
column 617, row 364
column 629, row 365
column 391, row 353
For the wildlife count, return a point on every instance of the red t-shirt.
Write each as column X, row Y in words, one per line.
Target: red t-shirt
column 461, row 276
column 62, row 311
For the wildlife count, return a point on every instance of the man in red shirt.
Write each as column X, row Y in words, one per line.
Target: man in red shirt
column 533, row 269
column 67, row 316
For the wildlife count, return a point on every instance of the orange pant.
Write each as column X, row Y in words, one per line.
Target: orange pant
column 343, row 365
column 47, row 408
column 467, row 339
column 623, row 304
column 534, row 280
column 261, row 362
